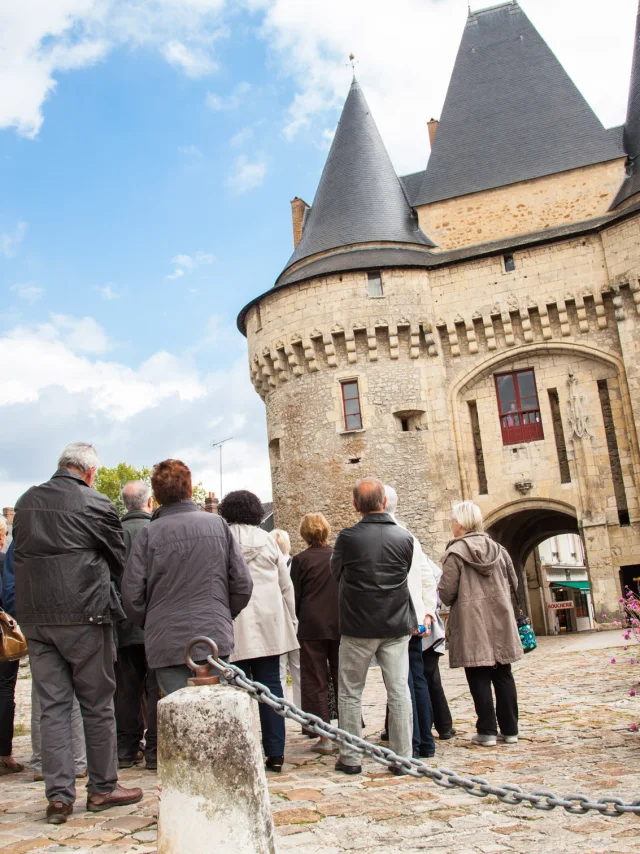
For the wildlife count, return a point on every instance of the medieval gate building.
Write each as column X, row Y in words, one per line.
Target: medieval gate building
column 470, row 331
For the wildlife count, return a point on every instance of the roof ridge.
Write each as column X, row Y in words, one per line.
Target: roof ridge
column 493, row 8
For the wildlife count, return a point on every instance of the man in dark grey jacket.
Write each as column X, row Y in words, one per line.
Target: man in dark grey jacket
column 68, row 549
column 135, row 682
column 185, row 576
column 371, row 562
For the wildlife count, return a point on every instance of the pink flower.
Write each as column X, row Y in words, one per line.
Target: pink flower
column 625, row 648
column 632, row 661
column 604, row 616
column 613, row 661
column 634, row 727
column 621, row 599
column 632, row 693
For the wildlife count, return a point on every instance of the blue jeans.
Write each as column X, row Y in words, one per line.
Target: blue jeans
column 267, row 671
column 420, row 700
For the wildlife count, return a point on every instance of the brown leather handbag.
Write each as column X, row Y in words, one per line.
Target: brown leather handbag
column 13, row 644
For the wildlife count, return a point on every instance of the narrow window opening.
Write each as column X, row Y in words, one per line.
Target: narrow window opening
column 509, row 263
column 354, row 460
column 274, row 451
column 520, row 419
column 558, row 432
column 614, row 454
column 477, row 448
column 258, row 318
column 405, row 425
column 374, row 284
column 351, row 405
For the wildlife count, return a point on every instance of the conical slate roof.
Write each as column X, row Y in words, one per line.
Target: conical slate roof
column 360, row 198
column 631, row 132
column 512, row 113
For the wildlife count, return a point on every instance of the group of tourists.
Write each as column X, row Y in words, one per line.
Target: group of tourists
column 108, row 606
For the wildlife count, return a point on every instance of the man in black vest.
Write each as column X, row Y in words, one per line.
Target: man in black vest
column 371, row 562
column 68, row 550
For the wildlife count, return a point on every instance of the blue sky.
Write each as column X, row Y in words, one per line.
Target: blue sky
column 148, row 153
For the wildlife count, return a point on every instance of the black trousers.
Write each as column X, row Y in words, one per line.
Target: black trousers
column 8, row 677
column 267, row 671
column 480, row 680
column 136, row 688
column 315, row 655
column 441, row 714
column 420, row 699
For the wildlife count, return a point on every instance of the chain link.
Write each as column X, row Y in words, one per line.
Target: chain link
column 507, row 793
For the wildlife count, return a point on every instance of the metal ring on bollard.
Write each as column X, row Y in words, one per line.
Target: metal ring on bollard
column 203, row 671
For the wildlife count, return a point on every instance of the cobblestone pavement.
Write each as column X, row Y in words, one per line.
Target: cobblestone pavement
column 575, row 716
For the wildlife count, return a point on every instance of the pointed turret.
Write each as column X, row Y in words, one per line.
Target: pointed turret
column 631, row 130
column 511, row 114
column 360, row 198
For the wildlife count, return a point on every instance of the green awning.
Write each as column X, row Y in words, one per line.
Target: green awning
column 578, row 585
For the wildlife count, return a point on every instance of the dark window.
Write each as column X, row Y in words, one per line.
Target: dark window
column 477, row 448
column 404, row 422
column 519, row 409
column 374, row 284
column 558, row 432
column 614, row 453
column 351, row 405
column 509, row 263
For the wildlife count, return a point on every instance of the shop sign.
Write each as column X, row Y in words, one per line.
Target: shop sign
column 560, row 606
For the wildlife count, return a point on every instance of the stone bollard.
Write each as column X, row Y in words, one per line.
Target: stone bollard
column 213, row 793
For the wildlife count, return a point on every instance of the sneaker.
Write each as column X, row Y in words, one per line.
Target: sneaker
column 508, row 739
column 119, row 797
column 57, row 812
column 484, row 740
column 348, row 769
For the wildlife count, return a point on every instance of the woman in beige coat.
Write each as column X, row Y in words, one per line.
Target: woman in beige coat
column 482, row 633
column 266, row 628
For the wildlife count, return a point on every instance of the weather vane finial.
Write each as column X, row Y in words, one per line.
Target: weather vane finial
column 353, row 62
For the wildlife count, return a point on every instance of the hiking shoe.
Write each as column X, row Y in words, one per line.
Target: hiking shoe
column 57, row 812
column 484, row 740
column 119, row 797
column 348, row 769
column 507, row 739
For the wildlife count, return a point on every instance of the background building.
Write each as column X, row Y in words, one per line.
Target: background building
column 470, row 330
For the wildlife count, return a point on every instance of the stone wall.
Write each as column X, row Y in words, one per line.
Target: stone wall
column 430, row 346
column 573, row 196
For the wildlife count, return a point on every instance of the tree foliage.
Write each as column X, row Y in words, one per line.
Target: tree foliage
column 110, row 481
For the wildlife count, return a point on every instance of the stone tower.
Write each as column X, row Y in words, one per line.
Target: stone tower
column 469, row 331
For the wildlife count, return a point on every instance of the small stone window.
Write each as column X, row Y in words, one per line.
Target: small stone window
column 409, row 420
column 519, row 408
column 509, row 263
column 274, row 451
column 374, row 284
column 258, row 318
column 351, row 405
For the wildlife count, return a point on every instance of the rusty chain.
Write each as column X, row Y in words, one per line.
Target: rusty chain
column 507, row 793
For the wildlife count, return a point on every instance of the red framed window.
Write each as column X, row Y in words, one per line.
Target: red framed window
column 518, row 406
column 351, row 405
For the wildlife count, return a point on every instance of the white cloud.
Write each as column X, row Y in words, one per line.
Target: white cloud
column 218, row 103
column 41, row 38
column 57, row 393
column 406, row 57
column 28, row 292
column 243, row 135
column 194, row 62
column 190, row 151
column 246, row 175
column 10, row 241
column 82, row 335
column 187, row 263
column 107, row 292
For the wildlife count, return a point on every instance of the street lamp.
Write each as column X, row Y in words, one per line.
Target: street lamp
column 219, row 445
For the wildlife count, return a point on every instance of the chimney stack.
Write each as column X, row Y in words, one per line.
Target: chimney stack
column 432, row 124
column 298, row 210
column 211, row 503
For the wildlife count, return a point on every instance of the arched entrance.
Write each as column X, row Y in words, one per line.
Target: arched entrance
column 523, row 525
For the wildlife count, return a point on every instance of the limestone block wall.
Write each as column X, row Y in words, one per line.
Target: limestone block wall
column 573, row 196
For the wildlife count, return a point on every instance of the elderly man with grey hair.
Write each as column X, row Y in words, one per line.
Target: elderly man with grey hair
column 422, row 587
column 136, row 684
column 68, row 549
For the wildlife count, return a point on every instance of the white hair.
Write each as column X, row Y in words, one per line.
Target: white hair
column 282, row 539
column 79, row 455
column 135, row 495
column 3, row 525
column 469, row 516
column 392, row 499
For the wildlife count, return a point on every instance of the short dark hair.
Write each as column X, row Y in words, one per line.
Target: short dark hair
column 171, row 481
column 241, row 507
column 368, row 495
